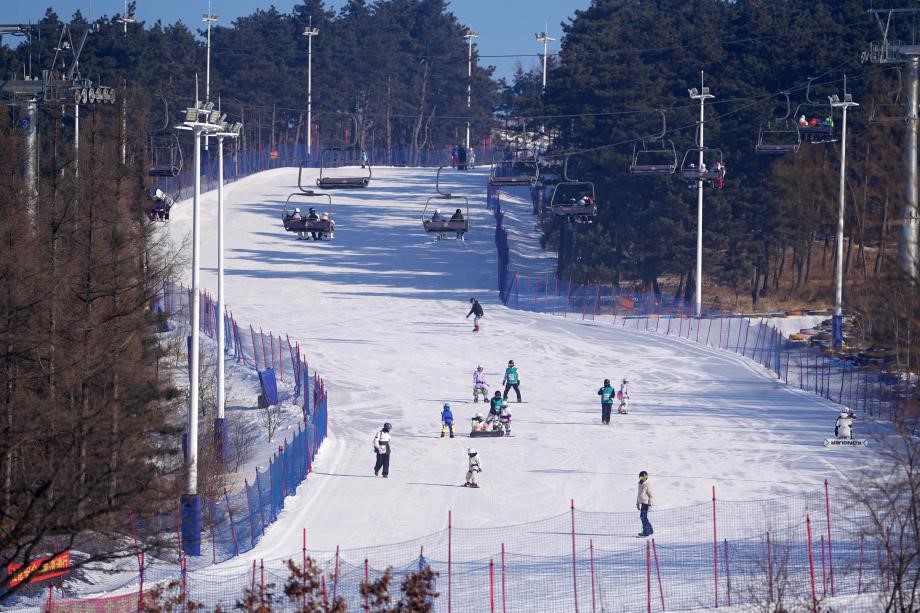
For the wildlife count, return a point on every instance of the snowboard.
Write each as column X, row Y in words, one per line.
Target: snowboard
column 470, row 485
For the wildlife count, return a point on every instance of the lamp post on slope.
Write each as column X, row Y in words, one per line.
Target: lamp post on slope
column 199, row 121
column 543, row 37
column 310, row 32
column 469, row 36
column 837, row 320
column 702, row 96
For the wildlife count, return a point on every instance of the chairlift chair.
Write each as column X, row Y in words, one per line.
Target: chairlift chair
column 823, row 131
column 572, row 199
column 165, row 156
column 654, row 156
column 351, row 158
column 712, row 171
column 891, row 109
column 780, row 135
column 508, row 169
column 325, row 225
column 442, row 227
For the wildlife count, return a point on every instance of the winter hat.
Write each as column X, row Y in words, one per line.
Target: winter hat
column 446, row 406
column 479, row 368
column 387, row 427
column 643, row 475
column 510, row 362
column 606, row 381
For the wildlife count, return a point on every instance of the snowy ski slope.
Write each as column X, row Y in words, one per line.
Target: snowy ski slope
column 380, row 313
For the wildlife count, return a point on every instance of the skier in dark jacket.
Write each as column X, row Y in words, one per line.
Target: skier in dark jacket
column 607, row 394
column 476, row 310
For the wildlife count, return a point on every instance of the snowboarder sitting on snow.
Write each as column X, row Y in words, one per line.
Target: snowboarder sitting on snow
column 478, row 423
column 474, row 468
column 480, row 386
column 606, row 393
column 843, row 428
column 477, row 312
column 506, row 419
column 623, row 395
column 447, row 421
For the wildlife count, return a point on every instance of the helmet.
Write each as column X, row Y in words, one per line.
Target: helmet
column 625, row 379
column 606, row 381
column 312, row 210
column 479, row 368
column 510, row 362
column 446, row 405
column 437, row 211
column 458, row 211
column 387, row 427
column 471, row 451
column 643, row 474
column 296, row 210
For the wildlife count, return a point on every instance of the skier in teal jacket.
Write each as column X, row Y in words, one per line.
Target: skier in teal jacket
column 607, row 394
column 512, row 380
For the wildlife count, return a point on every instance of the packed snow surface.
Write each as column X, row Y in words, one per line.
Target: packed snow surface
column 379, row 312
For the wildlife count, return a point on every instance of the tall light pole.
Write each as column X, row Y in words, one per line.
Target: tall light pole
column 220, row 431
column 199, row 121
column 836, row 103
column 125, row 19
column 543, row 37
column 469, row 36
column 702, row 96
column 310, row 32
column 208, row 18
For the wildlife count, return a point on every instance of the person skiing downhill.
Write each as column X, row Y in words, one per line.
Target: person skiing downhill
column 382, row 449
column 843, row 427
column 512, row 380
column 475, row 467
column 477, row 312
column 623, row 396
column 480, row 385
column 606, row 392
column 447, row 421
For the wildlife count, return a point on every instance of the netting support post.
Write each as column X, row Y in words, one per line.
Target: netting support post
column 769, row 568
column 491, row 586
column 811, row 566
column 504, row 599
column 574, row 568
column 449, row 553
column 648, row 575
column 593, row 597
column 830, row 548
column 658, row 572
column 715, row 548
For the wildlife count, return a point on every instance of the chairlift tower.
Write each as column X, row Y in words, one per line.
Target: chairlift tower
column 702, row 95
column 890, row 50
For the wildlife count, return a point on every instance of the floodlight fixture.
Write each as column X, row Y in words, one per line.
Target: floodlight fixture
column 214, row 118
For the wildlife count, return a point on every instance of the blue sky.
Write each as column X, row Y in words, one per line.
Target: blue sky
column 505, row 27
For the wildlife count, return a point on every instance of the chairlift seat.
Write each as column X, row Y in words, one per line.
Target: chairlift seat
column 164, row 171
column 776, row 148
column 446, row 226
column 307, row 225
column 334, row 182
column 513, row 180
column 652, row 169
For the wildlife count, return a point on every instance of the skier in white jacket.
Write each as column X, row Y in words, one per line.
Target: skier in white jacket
column 474, row 468
column 843, row 428
column 480, row 385
column 644, row 500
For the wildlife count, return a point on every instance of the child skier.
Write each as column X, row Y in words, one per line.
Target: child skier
column 623, row 396
column 506, row 419
column 447, row 421
column 606, row 393
column 843, row 428
column 474, row 468
column 480, row 386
